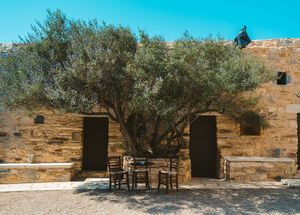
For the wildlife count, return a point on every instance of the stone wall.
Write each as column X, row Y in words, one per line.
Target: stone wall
column 280, row 55
column 59, row 139
column 28, row 173
column 258, row 168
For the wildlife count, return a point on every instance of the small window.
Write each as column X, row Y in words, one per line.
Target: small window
column 281, row 78
column 250, row 124
column 39, row 119
column 250, row 129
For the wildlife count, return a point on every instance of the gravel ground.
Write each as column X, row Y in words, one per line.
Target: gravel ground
column 204, row 201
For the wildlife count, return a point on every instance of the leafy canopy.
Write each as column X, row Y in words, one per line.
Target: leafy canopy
column 152, row 88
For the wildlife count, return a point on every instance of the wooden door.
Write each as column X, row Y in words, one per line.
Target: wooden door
column 95, row 143
column 203, row 147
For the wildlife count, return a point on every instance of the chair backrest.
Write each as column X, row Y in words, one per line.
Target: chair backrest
column 174, row 164
column 114, row 163
column 140, row 163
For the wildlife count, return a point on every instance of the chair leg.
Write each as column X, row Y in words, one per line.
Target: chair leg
column 119, row 179
column 158, row 186
column 149, row 180
column 177, row 182
column 127, row 181
column 171, row 184
column 146, row 181
column 115, row 182
column 135, row 180
column 167, row 183
column 132, row 187
column 109, row 183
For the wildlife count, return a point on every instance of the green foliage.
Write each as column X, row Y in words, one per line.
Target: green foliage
column 77, row 66
column 246, row 108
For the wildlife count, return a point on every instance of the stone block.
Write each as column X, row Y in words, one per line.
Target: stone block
column 17, row 134
column 261, row 169
column 3, row 134
column 76, row 136
column 285, row 42
column 257, row 177
column 57, row 140
column 258, row 168
column 26, row 121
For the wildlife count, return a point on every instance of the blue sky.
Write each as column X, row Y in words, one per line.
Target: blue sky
column 265, row 18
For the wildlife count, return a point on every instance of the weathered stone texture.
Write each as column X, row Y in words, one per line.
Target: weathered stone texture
column 261, row 169
column 59, row 139
column 280, row 55
column 48, row 142
column 115, row 139
column 34, row 175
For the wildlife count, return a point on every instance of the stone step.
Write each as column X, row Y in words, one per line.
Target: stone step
column 90, row 174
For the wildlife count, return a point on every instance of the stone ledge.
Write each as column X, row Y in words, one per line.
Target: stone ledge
column 291, row 182
column 292, row 108
column 258, row 159
column 258, row 168
column 36, row 165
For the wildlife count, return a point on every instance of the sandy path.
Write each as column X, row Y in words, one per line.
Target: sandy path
column 243, row 201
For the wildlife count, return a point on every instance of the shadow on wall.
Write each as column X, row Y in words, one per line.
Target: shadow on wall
column 212, row 201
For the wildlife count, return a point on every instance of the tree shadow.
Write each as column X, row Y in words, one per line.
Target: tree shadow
column 212, row 201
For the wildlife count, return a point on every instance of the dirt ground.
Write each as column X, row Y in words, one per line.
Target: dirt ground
column 202, row 201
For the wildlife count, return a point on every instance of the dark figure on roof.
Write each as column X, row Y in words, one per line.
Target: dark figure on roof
column 242, row 39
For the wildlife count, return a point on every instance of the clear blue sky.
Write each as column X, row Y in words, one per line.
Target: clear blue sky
column 169, row 18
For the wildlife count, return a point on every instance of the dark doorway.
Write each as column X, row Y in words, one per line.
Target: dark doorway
column 203, row 147
column 298, row 129
column 95, row 143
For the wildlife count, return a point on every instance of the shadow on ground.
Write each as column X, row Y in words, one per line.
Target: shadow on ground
column 216, row 201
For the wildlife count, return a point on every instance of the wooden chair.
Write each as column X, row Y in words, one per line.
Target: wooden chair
column 168, row 177
column 117, row 173
column 140, row 172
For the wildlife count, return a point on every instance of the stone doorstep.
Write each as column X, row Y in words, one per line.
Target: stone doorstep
column 85, row 174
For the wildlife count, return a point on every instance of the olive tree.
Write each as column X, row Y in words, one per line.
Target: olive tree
column 153, row 89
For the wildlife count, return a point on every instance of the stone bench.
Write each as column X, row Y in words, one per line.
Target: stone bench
column 35, row 172
column 258, row 168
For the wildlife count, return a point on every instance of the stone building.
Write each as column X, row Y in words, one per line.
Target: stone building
column 218, row 146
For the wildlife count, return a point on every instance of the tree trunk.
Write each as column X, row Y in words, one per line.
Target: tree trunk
column 125, row 130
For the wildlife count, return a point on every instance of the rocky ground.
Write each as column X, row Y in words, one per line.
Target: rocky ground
column 201, row 201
